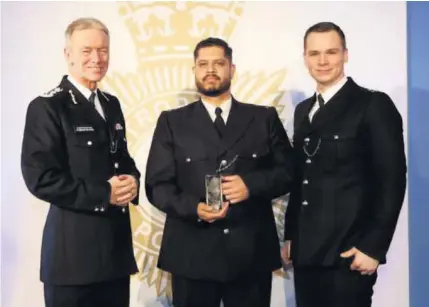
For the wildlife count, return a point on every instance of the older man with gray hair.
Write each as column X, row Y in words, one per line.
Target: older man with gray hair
column 75, row 157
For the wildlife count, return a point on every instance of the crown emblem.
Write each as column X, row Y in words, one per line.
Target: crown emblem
column 171, row 29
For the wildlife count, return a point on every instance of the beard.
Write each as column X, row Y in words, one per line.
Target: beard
column 213, row 91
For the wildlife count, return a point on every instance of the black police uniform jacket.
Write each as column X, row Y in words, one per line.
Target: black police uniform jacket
column 186, row 148
column 350, row 177
column 68, row 153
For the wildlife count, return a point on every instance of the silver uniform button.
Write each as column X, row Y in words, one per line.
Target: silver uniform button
column 223, row 162
column 188, row 159
column 336, row 137
column 96, row 209
column 124, row 210
column 307, row 140
column 254, row 155
column 305, row 181
column 304, row 203
column 102, row 209
column 226, row 231
column 116, row 165
column 308, row 161
column 89, row 143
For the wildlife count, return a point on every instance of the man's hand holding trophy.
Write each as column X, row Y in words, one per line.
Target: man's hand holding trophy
column 221, row 191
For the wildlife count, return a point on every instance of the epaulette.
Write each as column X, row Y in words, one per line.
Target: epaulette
column 52, row 92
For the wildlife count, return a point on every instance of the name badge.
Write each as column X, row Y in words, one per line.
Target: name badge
column 79, row 129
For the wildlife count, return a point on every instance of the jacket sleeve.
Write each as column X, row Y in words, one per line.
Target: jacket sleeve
column 384, row 132
column 45, row 167
column 161, row 190
column 276, row 180
column 294, row 204
column 292, row 212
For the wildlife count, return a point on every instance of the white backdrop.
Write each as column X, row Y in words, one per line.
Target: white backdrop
column 267, row 42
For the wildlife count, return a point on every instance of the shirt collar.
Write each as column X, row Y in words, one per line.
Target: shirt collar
column 330, row 92
column 86, row 92
column 225, row 106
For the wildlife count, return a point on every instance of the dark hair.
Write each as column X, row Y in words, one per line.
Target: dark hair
column 211, row 42
column 327, row 26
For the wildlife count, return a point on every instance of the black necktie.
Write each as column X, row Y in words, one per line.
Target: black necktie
column 320, row 100
column 219, row 123
column 92, row 99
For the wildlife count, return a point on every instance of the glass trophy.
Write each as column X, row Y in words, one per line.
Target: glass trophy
column 214, row 193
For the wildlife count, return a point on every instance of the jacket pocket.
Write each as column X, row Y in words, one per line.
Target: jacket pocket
column 338, row 148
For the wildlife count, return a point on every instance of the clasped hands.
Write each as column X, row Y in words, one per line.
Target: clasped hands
column 234, row 190
column 123, row 189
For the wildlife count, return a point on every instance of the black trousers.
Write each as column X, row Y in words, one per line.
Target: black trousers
column 114, row 293
column 248, row 291
column 333, row 287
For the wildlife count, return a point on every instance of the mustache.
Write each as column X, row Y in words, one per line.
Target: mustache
column 211, row 76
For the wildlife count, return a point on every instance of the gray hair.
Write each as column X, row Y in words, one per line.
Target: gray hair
column 84, row 24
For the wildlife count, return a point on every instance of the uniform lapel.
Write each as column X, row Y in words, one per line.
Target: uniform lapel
column 335, row 107
column 202, row 124
column 109, row 114
column 80, row 104
column 111, row 117
column 302, row 125
column 239, row 120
